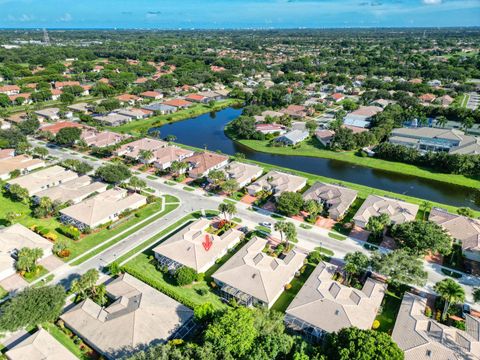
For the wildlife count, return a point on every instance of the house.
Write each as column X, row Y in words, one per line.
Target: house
column 445, row 100
column 152, row 95
column 61, row 84
column 335, row 199
column 197, row 98
column 22, row 163
column 270, row 129
column 141, row 80
column 113, row 119
column 242, row 173
column 55, row 128
column 212, row 95
column 423, row 338
column 427, row 98
column 293, row 137
column 277, row 182
column 336, row 97
column 426, row 139
column 138, row 316
column 164, row 157
column 9, row 89
column 80, row 107
column 253, row 277
column 56, row 94
column 72, row 191
column 128, row 99
column 86, row 89
column 324, row 305
column 325, row 136
column 296, row 111
column 43, row 179
column 12, row 239
column 194, row 247
column 101, row 209
column 160, row 108
column 178, row 103
column 461, row 228
column 203, row 162
column 133, row 113
column 383, row 103
column 133, row 149
column 362, row 116
column 4, row 125
column 397, row 210
column 50, row 114
column 95, row 138
column 39, row 346
column 24, row 96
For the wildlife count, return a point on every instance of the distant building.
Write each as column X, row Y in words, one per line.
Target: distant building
column 325, row 136
column 113, row 119
column 164, row 157
column 362, row 116
column 293, row 137
column 22, row 163
column 160, row 108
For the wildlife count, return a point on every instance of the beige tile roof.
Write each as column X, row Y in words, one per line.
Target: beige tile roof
column 399, row 211
column 19, row 162
column 139, row 316
column 170, row 154
column 133, row 149
column 331, row 306
column 278, row 182
column 39, row 346
column 42, row 179
column 257, row 274
column 337, row 198
column 102, row 138
column 97, row 210
column 243, row 173
column 16, row 237
column 187, row 248
column 204, row 161
column 422, row 338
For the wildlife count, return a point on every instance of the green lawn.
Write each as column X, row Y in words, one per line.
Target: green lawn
column 65, row 340
column 390, row 306
column 30, row 277
column 3, row 292
column 337, row 236
column 170, row 199
column 325, row 251
column 228, row 201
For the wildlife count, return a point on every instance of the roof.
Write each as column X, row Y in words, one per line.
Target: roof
column 6, row 88
column 422, row 338
column 55, row 128
column 39, row 346
column 36, row 181
column 397, row 210
column 195, row 97
column 278, row 182
column 268, row 127
column 331, row 306
column 258, row 274
column 60, row 84
column 133, row 148
column 368, row 111
column 101, row 138
column 113, row 118
column 242, row 172
column 177, row 102
column 99, row 208
column 188, row 246
column 462, row 228
column 337, row 198
column 19, row 162
column 139, row 315
column 294, row 136
column 78, row 188
column 152, row 94
column 204, row 161
column 50, row 112
column 15, row 237
column 170, row 154
column 159, row 107
column 127, row 97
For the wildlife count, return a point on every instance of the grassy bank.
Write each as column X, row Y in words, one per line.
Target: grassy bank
column 140, row 126
column 313, row 148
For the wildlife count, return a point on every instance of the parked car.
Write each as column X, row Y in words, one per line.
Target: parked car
column 244, row 229
column 266, row 224
column 465, row 310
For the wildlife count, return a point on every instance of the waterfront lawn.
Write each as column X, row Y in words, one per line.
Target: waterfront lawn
column 140, row 126
column 390, row 306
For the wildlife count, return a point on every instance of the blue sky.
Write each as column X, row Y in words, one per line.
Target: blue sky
column 173, row 14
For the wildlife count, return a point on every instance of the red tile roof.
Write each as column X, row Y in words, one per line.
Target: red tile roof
column 55, row 128
column 178, row 103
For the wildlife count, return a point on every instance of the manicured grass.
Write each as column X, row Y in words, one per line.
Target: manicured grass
column 188, row 188
column 305, row 226
column 288, row 295
column 277, row 217
column 30, row 277
column 237, row 220
column 65, row 340
column 325, row 251
column 170, row 199
column 238, row 195
column 229, row 201
column 139, row 126
column 106, row 234
column 3, row 292
column 171, row 183
column 263, row 228
column 337, row 236
column 151, row 177
column 390, row 306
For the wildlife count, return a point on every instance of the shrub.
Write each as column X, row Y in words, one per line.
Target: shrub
column 376, row 325
column 51, row 236
column 288, row 286
column 185, row 276
column 428, row 311
column 70, row 231
column 200, row 277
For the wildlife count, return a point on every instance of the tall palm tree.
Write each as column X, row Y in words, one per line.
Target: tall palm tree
column 145, row 155
column 451, row 292
column 441, row 121
column 227, row 209
column 280, row 226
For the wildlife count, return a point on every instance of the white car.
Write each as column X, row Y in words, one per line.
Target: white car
column 266, row 224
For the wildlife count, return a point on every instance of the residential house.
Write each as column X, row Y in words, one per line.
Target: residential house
column 277, row 182
column 324, row 306
column 22, row 163
column 178, row 103
column 113, row 119
column 362, row 116
column 138, row 316
column 128, row 99
column 427, row 98
column 102, row 208
column 155, row 95
column 423, row 338
column 336, row 97
column 39, row 346
column 195, row 248
column 55, row 128
column 160, row 108
column 25, row 98
column 212, row 95
column 197, row 98
column 50, row 114
column 133, row 149
column 383, row 103
column 164, row 157
column 4, row 125
column 133, row 113
column 43, row 179
column 445, row 100
column 270, row 129
column 9, row 90
column 12, row 239
column 397, row 210
column 334, row 198
column 61, row 84
column 461, row 228
column 56, row 94
column 293, row 137
column 427, row 139
column 95, row 138
column 296, row 111
column 202, row 163
column 325, row 136
column 242, row 173
column 253, row 277
column 72, row 191
column 80, row 107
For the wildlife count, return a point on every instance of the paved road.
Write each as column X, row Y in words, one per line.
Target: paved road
column 198, row 200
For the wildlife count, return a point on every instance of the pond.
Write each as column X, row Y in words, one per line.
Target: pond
column 206, row 131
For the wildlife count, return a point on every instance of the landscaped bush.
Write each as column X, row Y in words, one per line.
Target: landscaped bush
column 185, row 276
column 51, row 236
column 376, row 325
column 288, row 286
column 69, row 231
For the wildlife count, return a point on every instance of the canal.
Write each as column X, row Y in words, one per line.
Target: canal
column 206, row 131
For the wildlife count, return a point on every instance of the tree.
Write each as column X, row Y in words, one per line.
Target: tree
column 233, row 334
column 376, row 224
column 356, row 344
column 29, row 126
column 442, row 121
column 137, row 183
column 44, row 208
column 229, row 186
column 465, row 211
column 185, row 275
column 145, row 155
column 227, row 209
column 27, row 259
column 204, row 312
column 355, row 263
column 290, row 203
column 171, row 138
column 311, row 126
column 400, row 267
column 178, row 167
column 290, row 232
column 67, row 98
column 421, row 237
column 18, row 193
column 113, row 173
column 32, row 306
column 68, row 136
column 216, row 176
column 313, row 208
column 60, row 246
column 451, row 292
column 40, row 151
column 476, row 295
column 86, row 286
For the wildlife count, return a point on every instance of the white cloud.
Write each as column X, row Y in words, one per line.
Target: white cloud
column 66, row 17
column 432, row 2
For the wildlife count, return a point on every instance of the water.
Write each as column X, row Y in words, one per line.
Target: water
column 206, row 131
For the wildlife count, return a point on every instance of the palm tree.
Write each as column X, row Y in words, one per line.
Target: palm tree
column 355, row 263
column 442, row 121
column 145, row 155
column 280, row 226
column 137, row 183
column 178, row 167
column 426, row 207
column 227, row 209
column 290, row 233
column 451, row 292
